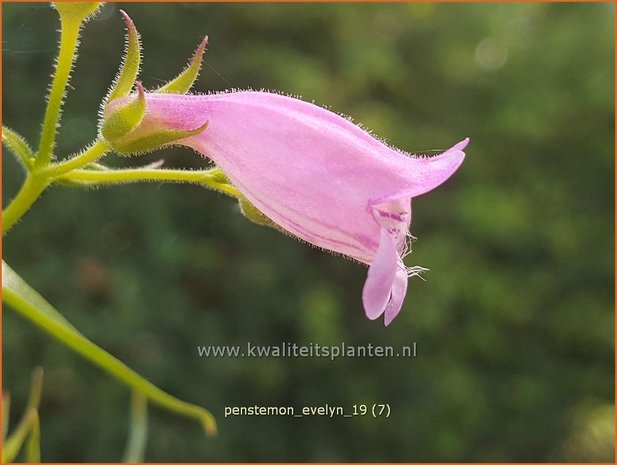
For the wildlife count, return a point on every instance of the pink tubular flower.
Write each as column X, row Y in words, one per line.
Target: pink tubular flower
column 313, row 173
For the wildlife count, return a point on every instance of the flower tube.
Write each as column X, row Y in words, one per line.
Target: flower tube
column 312, row 172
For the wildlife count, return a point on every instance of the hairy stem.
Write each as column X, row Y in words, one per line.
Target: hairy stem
column 95, row 151
column 18, row 146
column 125, row 176
column 31, row 189
column 69, row 41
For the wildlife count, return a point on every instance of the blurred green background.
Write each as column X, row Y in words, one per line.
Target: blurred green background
column 514, row 324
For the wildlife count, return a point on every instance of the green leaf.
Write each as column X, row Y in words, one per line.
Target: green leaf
column 32, row 306
column 18, row 146
column 185, row 80
column 14, row 442
column 33, row 446
column 12, row 281
column 130, row 64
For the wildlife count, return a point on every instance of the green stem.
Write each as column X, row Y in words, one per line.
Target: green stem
column 18, row 146
column 69, row 42
column 30, row 191
column 95, row 151
column 80, row 344
column 138, row 432
column 37, row 181
column 205, row 178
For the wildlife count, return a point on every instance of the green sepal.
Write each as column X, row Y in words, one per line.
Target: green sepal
column 253, row 213
column 132, row 145
column 185, row 80
column 250, row 211
column 123, row 120
column 130, row 64
column 76, row 11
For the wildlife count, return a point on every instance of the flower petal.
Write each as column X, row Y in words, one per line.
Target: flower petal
column 399, row 289
column 381, row 275
column 426, row 174
column 395, row 216
column 309, row 170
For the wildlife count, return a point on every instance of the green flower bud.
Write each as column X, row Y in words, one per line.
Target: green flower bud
column 123, row 130
column 121, row 120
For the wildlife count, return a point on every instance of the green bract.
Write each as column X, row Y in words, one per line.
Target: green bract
column 185, row 80
column 130, row 64
column 120, row 125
